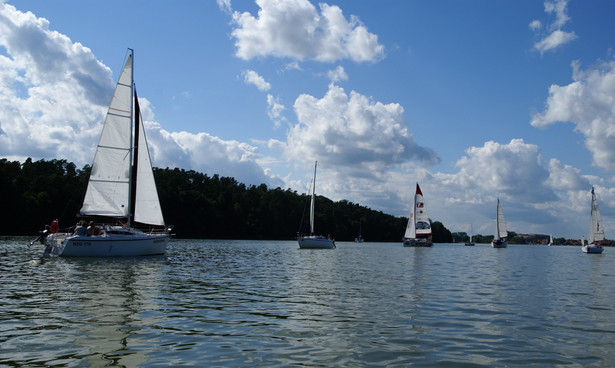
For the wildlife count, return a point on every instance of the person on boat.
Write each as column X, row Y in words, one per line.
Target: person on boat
column 81, row 230
column 93, row 230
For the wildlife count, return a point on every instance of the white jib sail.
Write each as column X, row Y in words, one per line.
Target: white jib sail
column 147, row 205
column 313, row 200
column 596, row 232
column 108, row 189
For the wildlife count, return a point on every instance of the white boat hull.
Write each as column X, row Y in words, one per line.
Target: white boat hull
column 499, row 244
column 124, row 244
column 315, row 242
column 418, row 242
column 592, row 248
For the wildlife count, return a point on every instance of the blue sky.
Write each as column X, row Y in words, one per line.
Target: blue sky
column 472, row 100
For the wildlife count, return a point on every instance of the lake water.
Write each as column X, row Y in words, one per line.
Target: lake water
column 268, row 303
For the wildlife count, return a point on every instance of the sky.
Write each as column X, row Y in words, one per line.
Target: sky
column 473, row 100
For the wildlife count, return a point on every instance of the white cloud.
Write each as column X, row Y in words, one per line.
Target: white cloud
column 275, row 109
column 589, row 103
column 557, row 7
column 295, row 29
column 554, row 40
column 535, row 25
column 51, row 91
column 54, row 95
column 252, row 77
column 225, row 6
column 353, row 133
column 338, row 74
column 206, row 153
column 555, row 37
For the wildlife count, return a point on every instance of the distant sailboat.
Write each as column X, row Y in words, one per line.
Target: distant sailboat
column 359, row 238
column 312, row 241
column 499, row 239
column 596, row 230
column 470, row 243
column 418, row 229
column 121, row 188
column 550, row 240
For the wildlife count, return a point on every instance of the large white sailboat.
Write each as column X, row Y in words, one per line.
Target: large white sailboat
column 121, row 191
column 312, row 241
column 418, row 229
column 596, row 230
column 499, row 239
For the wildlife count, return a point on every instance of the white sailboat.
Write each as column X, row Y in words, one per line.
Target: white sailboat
column 596, row 230
column 312, row 241
column 121, row 187
column 499, row 239
column 359, row 238
column 550, row 240
column 471, row 243
column 418, row 229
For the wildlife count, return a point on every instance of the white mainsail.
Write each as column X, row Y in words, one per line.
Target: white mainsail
column 418, row 224
column 500, row 223
column 108, row 191
column 596, row 231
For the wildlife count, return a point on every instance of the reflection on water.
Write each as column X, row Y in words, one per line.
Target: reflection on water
column 253, row 303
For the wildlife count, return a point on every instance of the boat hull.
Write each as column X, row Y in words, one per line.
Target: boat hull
column 592, row 248
column 469, row 244
column 109, row 245
column 499, row 244
column 315, row 242
column 419, row 242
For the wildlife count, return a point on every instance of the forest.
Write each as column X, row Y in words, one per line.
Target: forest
column 198, row 206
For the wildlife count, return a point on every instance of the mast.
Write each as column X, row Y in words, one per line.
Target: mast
column 135, row 162
column 312, row 204
column 497, row 221
column 134, row 138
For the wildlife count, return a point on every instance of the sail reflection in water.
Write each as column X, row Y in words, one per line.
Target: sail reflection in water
column 250, row 303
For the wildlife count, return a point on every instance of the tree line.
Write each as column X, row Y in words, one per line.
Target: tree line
column 199, row 206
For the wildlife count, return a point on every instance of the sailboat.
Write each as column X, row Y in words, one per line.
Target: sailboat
column 470, row 243
column 418, row 229
column 359, row 238
column 596, row 230
column 499, row 239
column 121, row 188
column 550, row 240
column 312, row 241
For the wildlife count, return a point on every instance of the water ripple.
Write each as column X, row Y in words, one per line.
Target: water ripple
column 259, row 303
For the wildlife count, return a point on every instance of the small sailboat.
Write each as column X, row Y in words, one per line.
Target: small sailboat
column 596, row 230
column 499, row 239
column 359, row 238
column 121, row 188
column 550, row 240
column 312, row 241
column 418, row 229
column 471, row 243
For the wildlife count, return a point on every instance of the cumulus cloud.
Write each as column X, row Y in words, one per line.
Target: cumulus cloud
column 51, row 91
column 588, row 103
column 352, row 131
column 54, row 95
column 252, row 77
column 295, row 29
column 554, row 36
column 515, row 169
